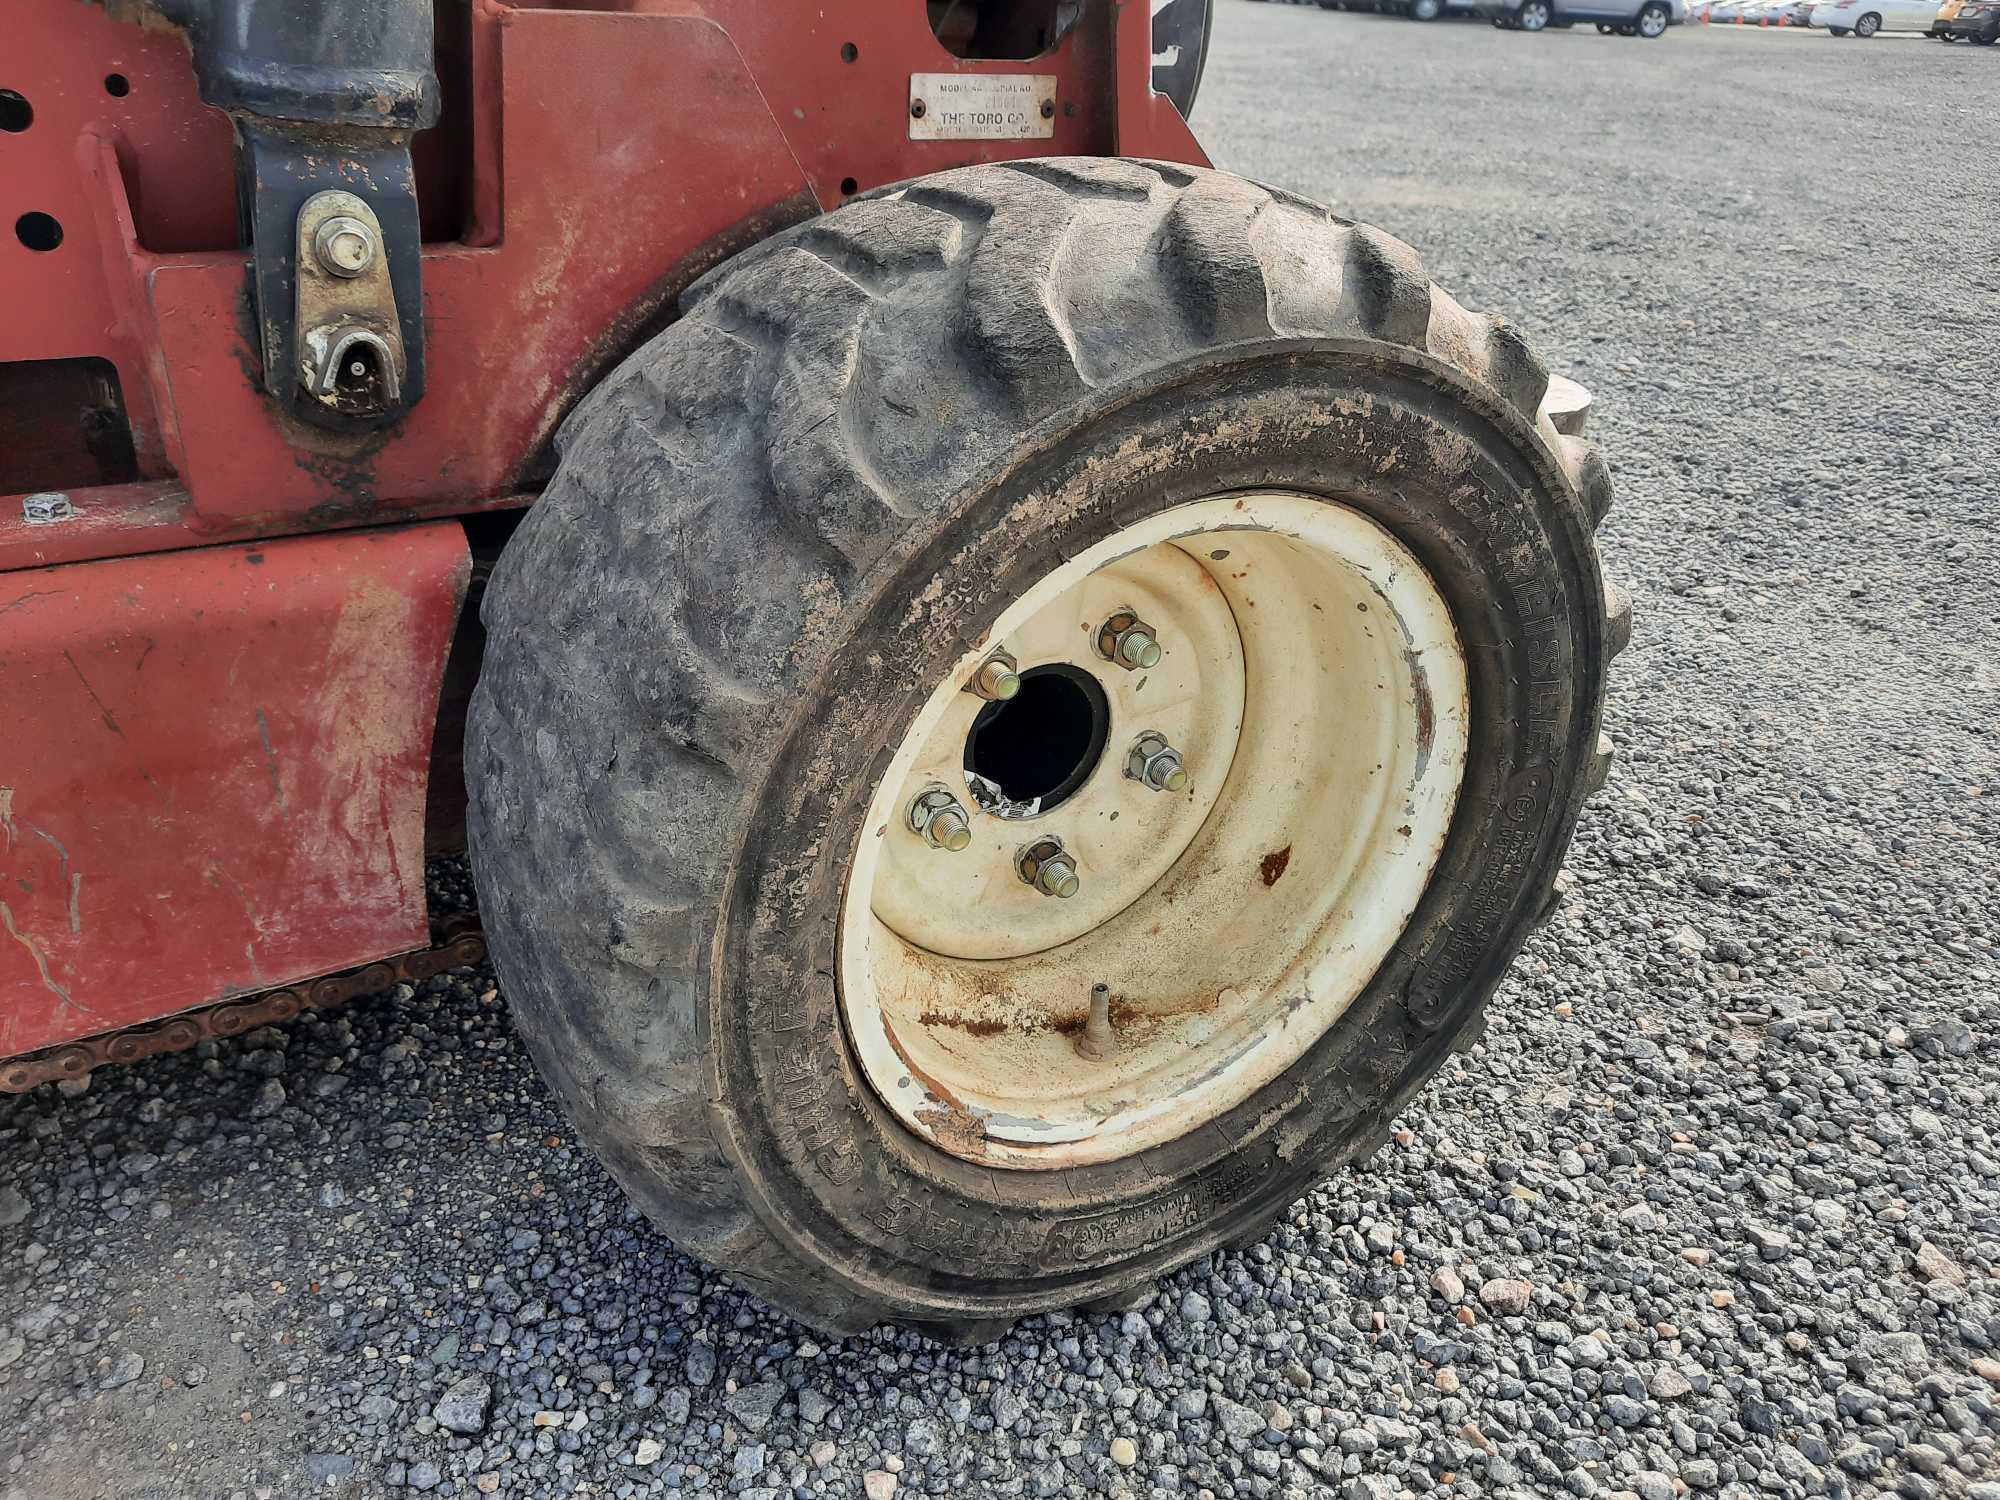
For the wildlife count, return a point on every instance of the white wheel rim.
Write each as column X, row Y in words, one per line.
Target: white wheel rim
column 1313, row 680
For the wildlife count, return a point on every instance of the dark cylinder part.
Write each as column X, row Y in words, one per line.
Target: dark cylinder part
column 364, row 64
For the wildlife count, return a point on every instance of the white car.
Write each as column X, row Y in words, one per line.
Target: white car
column 1647, row 18
column 1866, row 17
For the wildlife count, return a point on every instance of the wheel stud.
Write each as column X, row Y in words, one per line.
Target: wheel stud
column 1129, row 641
column 1057, row 877
column 940, row 819
column 996, row 679
column 1047, row 866
column 1154, row 763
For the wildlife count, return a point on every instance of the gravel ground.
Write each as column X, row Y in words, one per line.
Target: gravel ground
column 1715, row 1208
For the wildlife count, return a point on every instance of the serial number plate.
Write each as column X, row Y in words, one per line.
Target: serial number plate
column 982, row 106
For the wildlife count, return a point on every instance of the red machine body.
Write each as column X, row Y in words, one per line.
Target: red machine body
column 216, row 757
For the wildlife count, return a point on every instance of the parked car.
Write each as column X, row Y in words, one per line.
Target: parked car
column 1779, row 13
column 1430, row 10
column 1647, row 18
column 1975, row 20
column 1863, row 18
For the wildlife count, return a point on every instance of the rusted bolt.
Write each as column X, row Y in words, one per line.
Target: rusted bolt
column 1094, row 1041
column 939, row 819
column 1154, row 763
column 1129, row 641
column 916, row 109
column 1048, row 867
column 344, row 245
column 1048, row 109
column 996, row 678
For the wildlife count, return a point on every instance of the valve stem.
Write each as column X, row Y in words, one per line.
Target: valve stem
column 1094, row 1041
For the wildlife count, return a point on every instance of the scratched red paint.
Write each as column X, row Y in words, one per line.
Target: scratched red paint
column 213, row 777
column 608, row 147
column 156, row 852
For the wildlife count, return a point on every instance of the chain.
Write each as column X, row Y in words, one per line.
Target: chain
column 460, row 943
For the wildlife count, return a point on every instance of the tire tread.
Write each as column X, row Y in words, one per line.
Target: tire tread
column 779, row 445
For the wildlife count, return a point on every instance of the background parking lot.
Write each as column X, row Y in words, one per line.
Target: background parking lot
column 1715, row 1206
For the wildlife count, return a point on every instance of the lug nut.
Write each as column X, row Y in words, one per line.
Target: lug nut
column 1137, row 648
column 1154, row 763
column 1047, row 867
column 344, row 245
column 996, row 679
column 1129, row 641
column 1058, row 877
column 939, row 818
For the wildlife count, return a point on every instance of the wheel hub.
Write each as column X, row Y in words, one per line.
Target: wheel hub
column 1038, row 747
column 1225, row 824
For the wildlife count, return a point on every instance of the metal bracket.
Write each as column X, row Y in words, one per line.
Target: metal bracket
column 325, row 99
column 350, row 339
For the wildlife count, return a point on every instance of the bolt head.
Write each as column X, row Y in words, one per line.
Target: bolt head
column 344, row 245
column 46, row 507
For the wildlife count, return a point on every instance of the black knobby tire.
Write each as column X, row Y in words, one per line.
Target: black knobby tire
column 775, row 528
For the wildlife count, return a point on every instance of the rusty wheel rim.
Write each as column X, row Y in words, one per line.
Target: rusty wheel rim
column 1311, row 689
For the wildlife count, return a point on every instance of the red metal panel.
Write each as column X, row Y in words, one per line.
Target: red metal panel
column 606, row 200
column 213, row 775
column 614, row 153
column 846, row 120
